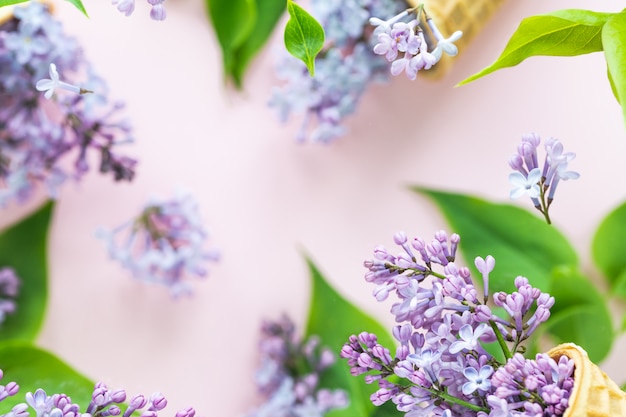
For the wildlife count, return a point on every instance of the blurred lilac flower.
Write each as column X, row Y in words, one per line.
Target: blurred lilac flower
column 539, row 183
column 38, row 135
column 290, row 373
column 344, row 69
column 9, row 290
column 104, row 403
column 164, row 244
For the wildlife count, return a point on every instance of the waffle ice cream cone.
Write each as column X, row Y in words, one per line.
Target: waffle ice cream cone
column 468, row 16
column 594, row 393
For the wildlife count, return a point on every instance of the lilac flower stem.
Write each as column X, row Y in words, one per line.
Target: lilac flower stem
column 544, row 206
column 454, row 400
column 501, row 341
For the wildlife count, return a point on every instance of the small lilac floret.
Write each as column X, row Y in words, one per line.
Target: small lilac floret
column 49, row 85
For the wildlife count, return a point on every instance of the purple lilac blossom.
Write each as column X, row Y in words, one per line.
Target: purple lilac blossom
column 441, row 366
column 290, row 372
column 38, row 135
column 343, row 70
column 127, row 7
column 395, row 36
column 539, row 182
column 9, row 290
column 164, row 244
column 104, row 403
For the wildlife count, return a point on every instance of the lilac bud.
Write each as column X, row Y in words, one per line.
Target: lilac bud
column 400, row 238
column 157, row 402
column 188, row 412
column 118, row 396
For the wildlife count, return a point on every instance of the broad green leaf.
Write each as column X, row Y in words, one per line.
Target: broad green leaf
column 560, row 33
column 580, row 314
column 79, row 5
column 33, row 368
column 334, row 319
column 521, row 243
column 268, row 14
column 388, row 409
column 612, row 84
column 304, row 36
column 233, row 21
column 614, row 42
column 5, row 9
column 607, row 249
column 23, row 248
column 623, row 328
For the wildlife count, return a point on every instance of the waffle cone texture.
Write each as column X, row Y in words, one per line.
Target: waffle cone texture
column 594, row 393
column 468, row 16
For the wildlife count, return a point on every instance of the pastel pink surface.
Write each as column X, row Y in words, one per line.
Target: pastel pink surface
column 267, row 200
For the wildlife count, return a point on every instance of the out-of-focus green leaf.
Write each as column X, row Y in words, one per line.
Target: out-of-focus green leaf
column 304, row 36
column 233, row 21
column 333, row 319
column 268, row 14
column 23, row 248
column 560, row 33
column 521, row 243
column 580, row 314
column 607, row 249
column 614, row 43
column 612, row 84
column 33, row 368
column 5, row 10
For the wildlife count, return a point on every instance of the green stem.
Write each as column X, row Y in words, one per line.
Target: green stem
column 544, row 205
column 501, row 341
column 454, row 400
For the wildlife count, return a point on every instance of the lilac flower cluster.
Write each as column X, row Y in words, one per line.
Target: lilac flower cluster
column 539, row 182
column 37, row 135
column 290, row 372
column 441, row 367
column 343, row 70
column 9, row 290
column 104, row 403
column 395, row 36
column 127, row 7
column 164, row 244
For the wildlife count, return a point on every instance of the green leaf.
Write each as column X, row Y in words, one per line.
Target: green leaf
column 79, row 5
column 23, row 248
column 560, row 33
column 607, row 249
column 268, row 14
column 521, row 243
column 612, row 84
column 580, row 314
column 33, row 368
column 304, row 36
column 5, row 3
column 333, row 319
column 614, row 42
column 233, row 21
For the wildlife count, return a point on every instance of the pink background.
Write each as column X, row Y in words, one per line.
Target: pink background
column 267, row 199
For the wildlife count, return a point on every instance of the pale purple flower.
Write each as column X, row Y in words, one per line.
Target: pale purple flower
column 164, row 244
column 525, row 185
column 288, row 391
column 469, row 337
column 127, row 7
column 50, row 84
column 477, row 379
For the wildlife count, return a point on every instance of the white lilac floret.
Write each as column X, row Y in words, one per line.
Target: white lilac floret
column 9, row 290
column 127, row 7
column 290, row 372
column 441, row 366
column 104, row 403
column 539, row 182
column 343, row 70
column 395, row 36
column 36, row 142
column 49, row 85
column 165, row 244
